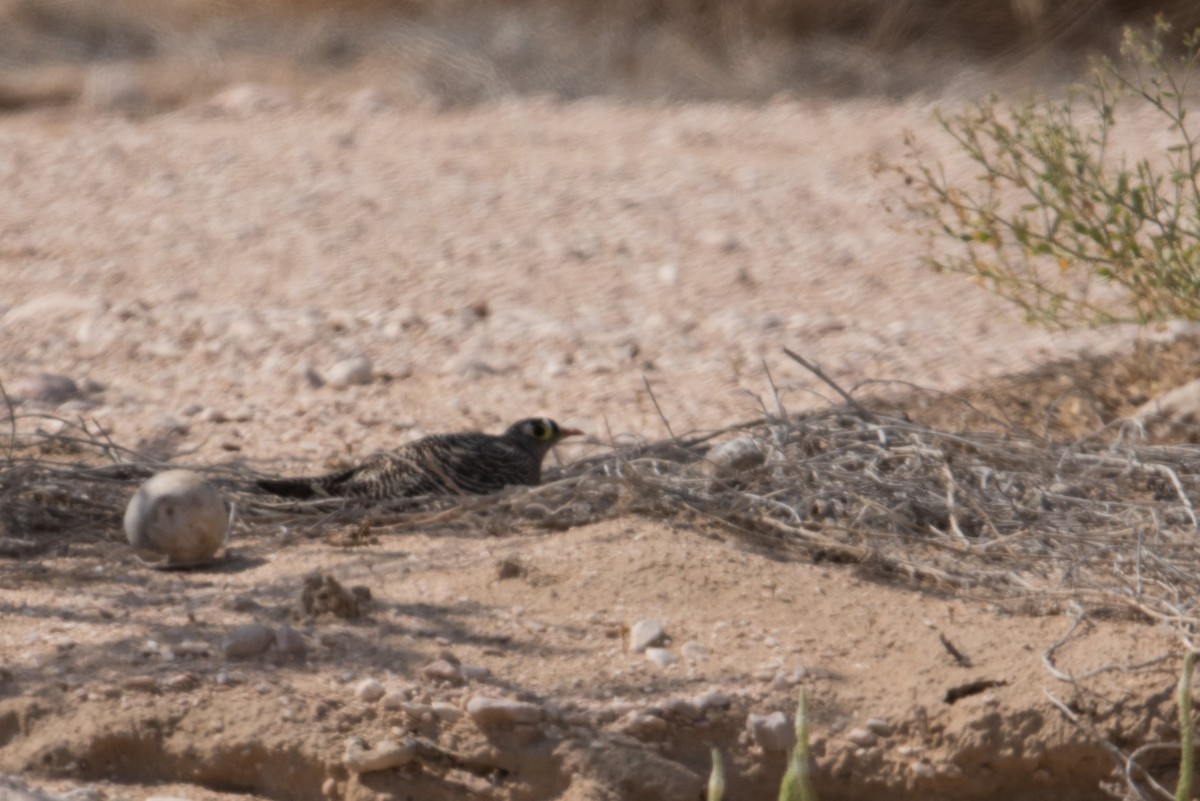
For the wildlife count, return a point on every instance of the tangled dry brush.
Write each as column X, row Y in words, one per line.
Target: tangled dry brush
column 1107, row 521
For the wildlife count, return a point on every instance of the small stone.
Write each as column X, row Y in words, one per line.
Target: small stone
column 923, row 770
column 497, row 711
column 443, row 670
column 393, row 700
column 712, row 699
column 684, row 708
column 329, row 788
column 249, row 640
column 369, row 691
column 880, row 727
column 290, row 642
column 771, row 732
column 446, row 711
column 737, row 456
column 643, row 726
column 360, row 758
column 312, row 377
column 863, row 738
column 645, row 634
column 661, row 657
column 44, row 388
column 693, row 651
column 177, row 517
column 474, row 672
column 355, row 371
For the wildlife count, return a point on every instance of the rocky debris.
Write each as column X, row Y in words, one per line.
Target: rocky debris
column 771, row 732
column 48, row 388
column 443, row 670
column 247, row 641
column 487, row 712
column 446, row 711
column 880, row 727
column 661, row 657
column 290, row 643
column 712, row 699
column 642, row 725
column 369, row 691
column 177, row 517
column 863, row 738
column 354, row 371
column 646, row 633
column 393, row 699
column 361, row 758
column 13, row 789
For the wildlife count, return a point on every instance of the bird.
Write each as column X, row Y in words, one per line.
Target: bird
column 439, row 464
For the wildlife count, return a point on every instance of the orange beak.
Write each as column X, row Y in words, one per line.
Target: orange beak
column 569, row 432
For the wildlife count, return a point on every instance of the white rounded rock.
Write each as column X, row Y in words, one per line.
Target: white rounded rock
column 177, row 516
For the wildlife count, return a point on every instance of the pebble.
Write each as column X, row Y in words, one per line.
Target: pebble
column 393, row 699
column 44, row 388
column 712, row 699
column 661, row 657
column 369, row 690
column 643, row 726
column 771, row 732
column 684, row 708
column 880, row 727
column 443, row 670
column 290, row 642
column 249, row 640
column 923, row 770
column 737, row 456
column 355, row 371
column 494, row 711
column 474, row 672
column 646, row 633
column 360, row 758
column 446, row 711
column 863, row 738
column 178, row 516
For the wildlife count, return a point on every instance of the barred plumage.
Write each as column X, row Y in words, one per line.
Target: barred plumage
column 440, row 464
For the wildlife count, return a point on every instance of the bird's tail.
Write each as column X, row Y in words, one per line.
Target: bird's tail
column 308, row 487
column 301, row 488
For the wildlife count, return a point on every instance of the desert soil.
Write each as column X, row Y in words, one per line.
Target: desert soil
column 208, row 275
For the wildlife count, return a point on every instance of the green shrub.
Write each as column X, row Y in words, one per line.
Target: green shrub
column 1054, row 220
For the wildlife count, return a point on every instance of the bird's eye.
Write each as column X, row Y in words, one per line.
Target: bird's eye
column 539, row 431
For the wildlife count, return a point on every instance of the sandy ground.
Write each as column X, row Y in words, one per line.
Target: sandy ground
column 206, row 274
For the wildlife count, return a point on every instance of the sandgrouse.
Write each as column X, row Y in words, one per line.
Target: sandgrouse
column 440, row 464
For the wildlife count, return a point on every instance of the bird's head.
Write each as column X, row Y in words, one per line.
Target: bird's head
column 539, row 434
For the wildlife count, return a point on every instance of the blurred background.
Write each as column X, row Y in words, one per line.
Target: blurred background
column 149, row 55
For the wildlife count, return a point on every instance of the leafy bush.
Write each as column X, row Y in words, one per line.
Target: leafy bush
column 1058, row 223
